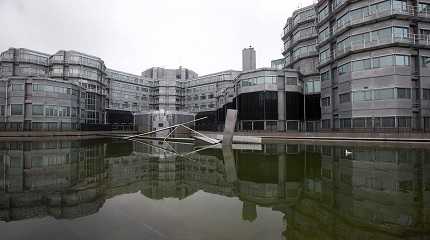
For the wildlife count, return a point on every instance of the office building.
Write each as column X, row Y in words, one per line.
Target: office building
column 87, row 71
column 249, row 59
column 206, row 97
column 372, row 62
column 128, row 94
column 300, row 52
column 168, row 87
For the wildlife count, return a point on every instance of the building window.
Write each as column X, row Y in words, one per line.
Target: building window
column 2, row 110
column 385, row 122
column 426, row 61
column 16, row 109
column 325, row 56
column 402, row 60
column 64, row 111
column 323, row 13
column 424, row 7
column 384, row 61
column 344, row 68
column 345, row 123
column 383, row 94
column 37, row 110
column 291, row 81
column 365, row 95
column 400, row 32
column 37, row 87
column 344, row 98
column 51, row 111
column 324, row 35
column 426, row 94
column 325, row 102
column 404, row 122
column 399, row 5
column 361, row 65
column 359, row 122
column 17, row 87
column 36, row 126
column 326, row 124
column 404, row 93
column 325, row 76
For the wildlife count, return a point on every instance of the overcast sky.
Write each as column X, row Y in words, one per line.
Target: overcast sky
column 132, row 35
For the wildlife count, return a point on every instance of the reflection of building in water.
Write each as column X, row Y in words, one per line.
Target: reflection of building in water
column 61, row 179
column 375, row 192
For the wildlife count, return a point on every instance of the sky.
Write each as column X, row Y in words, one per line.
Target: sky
column 205, row 36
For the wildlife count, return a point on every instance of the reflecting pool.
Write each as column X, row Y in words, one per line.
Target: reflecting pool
column 114, row 189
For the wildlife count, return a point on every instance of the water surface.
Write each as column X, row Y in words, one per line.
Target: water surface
column 111, row 189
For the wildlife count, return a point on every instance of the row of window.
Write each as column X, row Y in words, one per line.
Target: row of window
column 122, row 86
column 304, row 51
column 197, row 107
column 375, row 62
column 323, row 13
column 304, row 33
column 54, row 89
column 79, row 60
column 43, row 110
column 361, row 13
column 27, row 57
column 202, row 97
column 125, row 78
column 374, row 95
column 378, row 122
column 204, row 88
column 209, row 79
column 370, row 38
column 258, row 81
column 303, row 16
column 54, row 111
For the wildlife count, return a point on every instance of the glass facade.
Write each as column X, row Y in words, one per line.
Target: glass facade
column 258, row 106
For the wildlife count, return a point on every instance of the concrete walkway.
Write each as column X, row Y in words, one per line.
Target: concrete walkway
column 336, row 136
column 64, row 134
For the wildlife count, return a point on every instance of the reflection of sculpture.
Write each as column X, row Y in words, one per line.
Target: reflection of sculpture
column 249, row 211
column 324, row 194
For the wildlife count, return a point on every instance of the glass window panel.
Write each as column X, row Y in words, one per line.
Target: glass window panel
column 16, row 109
column 404, row 93
column 37, row 110
column 382, row 94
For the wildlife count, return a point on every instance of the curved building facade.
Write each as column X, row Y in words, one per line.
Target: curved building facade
column 268, row 99
column 300, row 51
column 374, row 64
column 23, row 62
column 39, row 103
column 87, row 71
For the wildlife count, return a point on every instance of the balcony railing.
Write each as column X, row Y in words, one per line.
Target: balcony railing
column 303, row 55
column 409, row 10
column 35, row 61
column 409, row 39
column 338, row 3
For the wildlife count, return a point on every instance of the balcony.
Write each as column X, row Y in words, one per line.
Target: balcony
column 338, row 3
column 303, row 55
column 355, row 46
column 339, row 26
column 33, row 61
column 303, row 37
